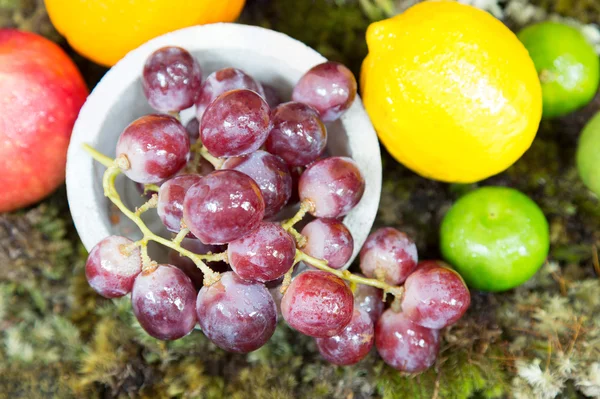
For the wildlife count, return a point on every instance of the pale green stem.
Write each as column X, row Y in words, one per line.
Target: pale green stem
column 108, row 183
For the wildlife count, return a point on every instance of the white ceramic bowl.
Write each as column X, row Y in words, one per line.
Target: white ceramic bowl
column 269, row 56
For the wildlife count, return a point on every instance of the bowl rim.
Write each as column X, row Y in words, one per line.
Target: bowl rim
column 83, row 188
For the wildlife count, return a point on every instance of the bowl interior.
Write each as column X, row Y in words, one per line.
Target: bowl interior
column 118, row 100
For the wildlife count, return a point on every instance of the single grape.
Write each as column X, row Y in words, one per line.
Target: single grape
column 112, row 266
column 330, row 240
column 333, row 185
column 193, row 129
column 189, row 267
column 435, row 296
column 370, row 299
column 170, row 200
column 171, row 79
column 156, row 146
column 271, row 95
column 224, row 206
column 318, row 304
column 163, row 302
column 237, row 315
column 264, row 254
column 270, row 173
column 298, row 135
column 236, row 123
column 353, row 344
column 222, row 81
column 388, row 254
column 330, row 88
column 404, row 345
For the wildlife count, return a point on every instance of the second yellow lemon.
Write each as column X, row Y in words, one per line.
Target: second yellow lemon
column 105, row 30
column 451, row 91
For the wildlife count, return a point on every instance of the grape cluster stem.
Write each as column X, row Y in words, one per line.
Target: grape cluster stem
column 116, row 166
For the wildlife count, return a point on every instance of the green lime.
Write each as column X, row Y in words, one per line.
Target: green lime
column 495, row 237
column 566, row 63
column 588, row 154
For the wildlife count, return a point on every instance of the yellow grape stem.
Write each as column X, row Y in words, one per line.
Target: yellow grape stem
column 108, row 184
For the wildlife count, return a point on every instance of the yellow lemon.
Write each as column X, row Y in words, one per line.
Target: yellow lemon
column 451, row 91
column 105, row 30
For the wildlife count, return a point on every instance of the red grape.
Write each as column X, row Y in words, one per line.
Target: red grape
column 435, row 296
column 170, row 200
column 404, row 345
column 171, row 79
column 163, row 302
column 271, row 95
column 222, row 81
column 318, row 304
column 390, row 254
column 112, row 266
column 330, row 240
column 236, row 123
column 237, row 315
column 330, row 88
column 264, row 254
column 333, row 185
column 224, row 206
column 370, row 299
column 353, row 344
column 189, row 267
column 270, row 173
column 298, row 135
column 193, row 129
column 156, row 146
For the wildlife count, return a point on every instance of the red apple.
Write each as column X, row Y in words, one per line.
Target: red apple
column 41, row 92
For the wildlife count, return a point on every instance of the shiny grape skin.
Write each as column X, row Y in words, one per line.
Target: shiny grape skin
column 163, row 302
column 369, row 299
column 318, row 304
column 111, row 268
column 193, row 129
column 170, row 200
column 224, row 206
column 270, row 173
column 156, row 146
column 353, row 344
column 222, row 81
column 236, row 123
column 389, row 253
column 171, row 79
column 189, row 267
column 404, row 345
column 334, row 186
column 264, row 254
column 298, row 135
column 237, row 315
column 330, row 240
column 330, row 88
column 271, row 95
column 435, row 296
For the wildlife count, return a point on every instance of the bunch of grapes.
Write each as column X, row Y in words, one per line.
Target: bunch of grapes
column 222, row 182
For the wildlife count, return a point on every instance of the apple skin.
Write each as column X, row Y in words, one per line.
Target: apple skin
column 41, row 92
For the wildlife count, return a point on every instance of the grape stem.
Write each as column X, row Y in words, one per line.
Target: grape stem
column 199, row 149
column 150, row 187
column 348, row 276
column 108, row 184
column 305, row 207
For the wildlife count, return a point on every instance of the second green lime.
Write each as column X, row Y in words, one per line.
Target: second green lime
column 495, row 237
column 567, row 65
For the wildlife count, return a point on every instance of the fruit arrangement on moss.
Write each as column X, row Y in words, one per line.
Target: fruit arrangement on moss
column 539, row 340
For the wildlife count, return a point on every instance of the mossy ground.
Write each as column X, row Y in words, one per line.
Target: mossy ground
column 58, row 339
